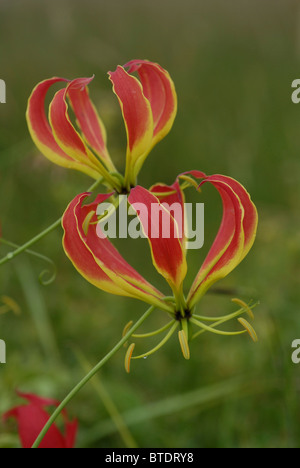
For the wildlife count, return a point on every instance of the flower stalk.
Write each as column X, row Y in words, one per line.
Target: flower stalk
column 88, row 376
column 11, row 255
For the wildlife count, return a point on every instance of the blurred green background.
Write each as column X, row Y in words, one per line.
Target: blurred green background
column 233, row 64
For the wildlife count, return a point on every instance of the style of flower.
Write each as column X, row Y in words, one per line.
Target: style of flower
column 31, row 419
column 98, row 261
column 148, row 104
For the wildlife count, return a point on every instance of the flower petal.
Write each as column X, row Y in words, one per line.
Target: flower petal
column 32, row 418
column 137, row 116
column 162, row 231
column 41, row 131
column 172, row 198
column 159, row 89
column 88, row 119
column 37, row 400
column 97, row 260
column 234, row 239
column 67, row 137
column 38, row 124
column 79, row 254
column 71, row 430
column 250, row 218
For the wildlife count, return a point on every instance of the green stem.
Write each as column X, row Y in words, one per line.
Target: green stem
column 28, row 244
column 31, row 252
column 109, row 404
column 37, row 255
column 88, row 377
column 42, row 234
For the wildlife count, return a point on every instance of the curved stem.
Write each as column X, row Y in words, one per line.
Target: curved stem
column 37, row 255
column 88, row 377
column 42, row 234
column 28, row 244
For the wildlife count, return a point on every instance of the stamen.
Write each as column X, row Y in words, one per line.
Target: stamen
column 184, row 344
column 225, row 318
column 249, row 329
column 9, row 305
column 127, row 327
column 209, row 319
column 211, row 329
column 160, row 344
column 244, row 306
column 190, row 182
column 86, row 222
column 125, row 330
column 155, row 332
column 128, row 356
column 108, row 213
column 164, row 194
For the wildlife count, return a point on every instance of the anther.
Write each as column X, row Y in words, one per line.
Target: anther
column 244, row 306
column 249, row 329
column 128, row 357
column 184, row 344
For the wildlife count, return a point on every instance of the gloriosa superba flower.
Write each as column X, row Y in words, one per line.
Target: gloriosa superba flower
column 98, row 261
column 149, row 106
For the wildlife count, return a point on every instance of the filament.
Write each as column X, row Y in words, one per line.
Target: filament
column 213, row 330
column 155, row 332
column 244, row 306
column 160, row 344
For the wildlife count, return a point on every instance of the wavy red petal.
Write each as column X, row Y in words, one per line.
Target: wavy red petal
column 162, row 232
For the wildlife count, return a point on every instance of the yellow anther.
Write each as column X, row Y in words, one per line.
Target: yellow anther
column 127, row 327
column 128, row 357
column 191, row 182
column 184, row 344
column 249, row 328
column 126, row 330
column 244, row 306
column 11, row 304
column 86, row 222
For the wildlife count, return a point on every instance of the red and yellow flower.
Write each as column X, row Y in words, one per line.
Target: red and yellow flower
column 148, row 104
column 32, row 417
column 102, row 265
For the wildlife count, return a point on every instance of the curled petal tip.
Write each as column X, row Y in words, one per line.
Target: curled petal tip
column 235, row 236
